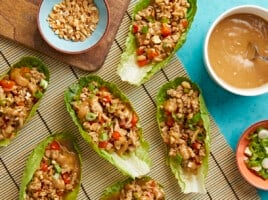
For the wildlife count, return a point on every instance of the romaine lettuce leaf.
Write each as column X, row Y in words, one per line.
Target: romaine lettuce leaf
column 113, row 191
column 33, row 162
column 188, row 182
column 128, row 70
column 135, row 164
column 27, row 62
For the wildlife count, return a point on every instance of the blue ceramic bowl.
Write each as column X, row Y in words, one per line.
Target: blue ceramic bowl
column 66, row 46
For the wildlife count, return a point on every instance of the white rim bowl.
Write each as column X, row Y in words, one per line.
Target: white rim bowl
column 251, row 9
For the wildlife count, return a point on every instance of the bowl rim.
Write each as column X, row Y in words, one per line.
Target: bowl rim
column 74, row 52
column 235, row 90
column 248, row 175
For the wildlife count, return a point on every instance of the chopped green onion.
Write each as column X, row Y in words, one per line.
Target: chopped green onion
column 91, row 116
column 201, row 136
column 108, row 124
column 150, row 18
column 264, row 142
column 103, row 136
column 111, row 109
column 136, row 196
column 145, row 29
column 258, row 148
column 178, row 158
column 91, row 87
column 57, row 168
column 43, row 83
column 3, row 102
column 191, row 127
column 176, row 117
column 186, row 90
column 38, row 94
column 164, row 20
column 196, row 118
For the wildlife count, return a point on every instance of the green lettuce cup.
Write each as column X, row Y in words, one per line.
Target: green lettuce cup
column 157, row 32
column 53, row 170
column 183, row 121
column 21, row 90
column 139, row 188
column 109, row 124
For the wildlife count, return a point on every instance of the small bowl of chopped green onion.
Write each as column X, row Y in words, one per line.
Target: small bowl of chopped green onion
column 252, row 155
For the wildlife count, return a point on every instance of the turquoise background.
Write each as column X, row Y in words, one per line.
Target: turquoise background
column 232, row 113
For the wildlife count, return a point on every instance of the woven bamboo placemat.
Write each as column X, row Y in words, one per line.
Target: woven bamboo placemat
column 223, row 181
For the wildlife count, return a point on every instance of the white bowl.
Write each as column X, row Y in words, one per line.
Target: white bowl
column 68, row 46
column 250, row 9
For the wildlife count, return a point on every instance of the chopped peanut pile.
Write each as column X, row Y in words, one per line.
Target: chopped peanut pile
column 74, row 20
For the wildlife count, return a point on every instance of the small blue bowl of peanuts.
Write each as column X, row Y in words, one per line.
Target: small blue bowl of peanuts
column 73, row 26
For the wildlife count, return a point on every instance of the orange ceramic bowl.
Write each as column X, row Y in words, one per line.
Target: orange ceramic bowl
column 252, row 178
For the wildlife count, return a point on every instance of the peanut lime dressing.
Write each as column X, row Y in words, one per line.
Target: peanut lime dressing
column 227, row 49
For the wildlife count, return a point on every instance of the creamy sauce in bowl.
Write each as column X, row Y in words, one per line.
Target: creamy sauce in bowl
column 227, row 50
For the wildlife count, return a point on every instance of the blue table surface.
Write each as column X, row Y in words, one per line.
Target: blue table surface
column 232, row 113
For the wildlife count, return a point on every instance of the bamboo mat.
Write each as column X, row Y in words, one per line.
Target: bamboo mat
column 223, row 181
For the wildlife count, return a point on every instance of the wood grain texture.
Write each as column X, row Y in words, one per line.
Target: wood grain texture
column 18, row 22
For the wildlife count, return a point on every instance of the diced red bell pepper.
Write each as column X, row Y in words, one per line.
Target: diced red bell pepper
column 134, row 120
column 66, row 178
column 20, row 103
column 103, row 89
column 151, row 54
column 7, row 84
column 103, row 144
column 142, row 63
column 135, row 28
column 169, row 121
column 44, row 166
column 116, row 135
column 196, row 145
column 168, row 113
column 140, row 51
column 122, row 124
column 55, row 145
column 60, row 193
column 165, row 30
column 107, row 98
column 184, row 23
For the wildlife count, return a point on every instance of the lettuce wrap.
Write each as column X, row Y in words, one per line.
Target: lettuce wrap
column 186, row 131
column 17, row 80
column 128, row 69
column 148, row 188
column 94, row 107
column 61, row 166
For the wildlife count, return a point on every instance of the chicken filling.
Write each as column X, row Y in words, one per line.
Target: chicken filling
column 142, row 189
column 19, row 91
column 158, row 28
column 111, row 123
column 57, row 175
column 182, row 129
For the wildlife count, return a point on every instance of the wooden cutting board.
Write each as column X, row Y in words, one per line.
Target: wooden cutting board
column 18, row 22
